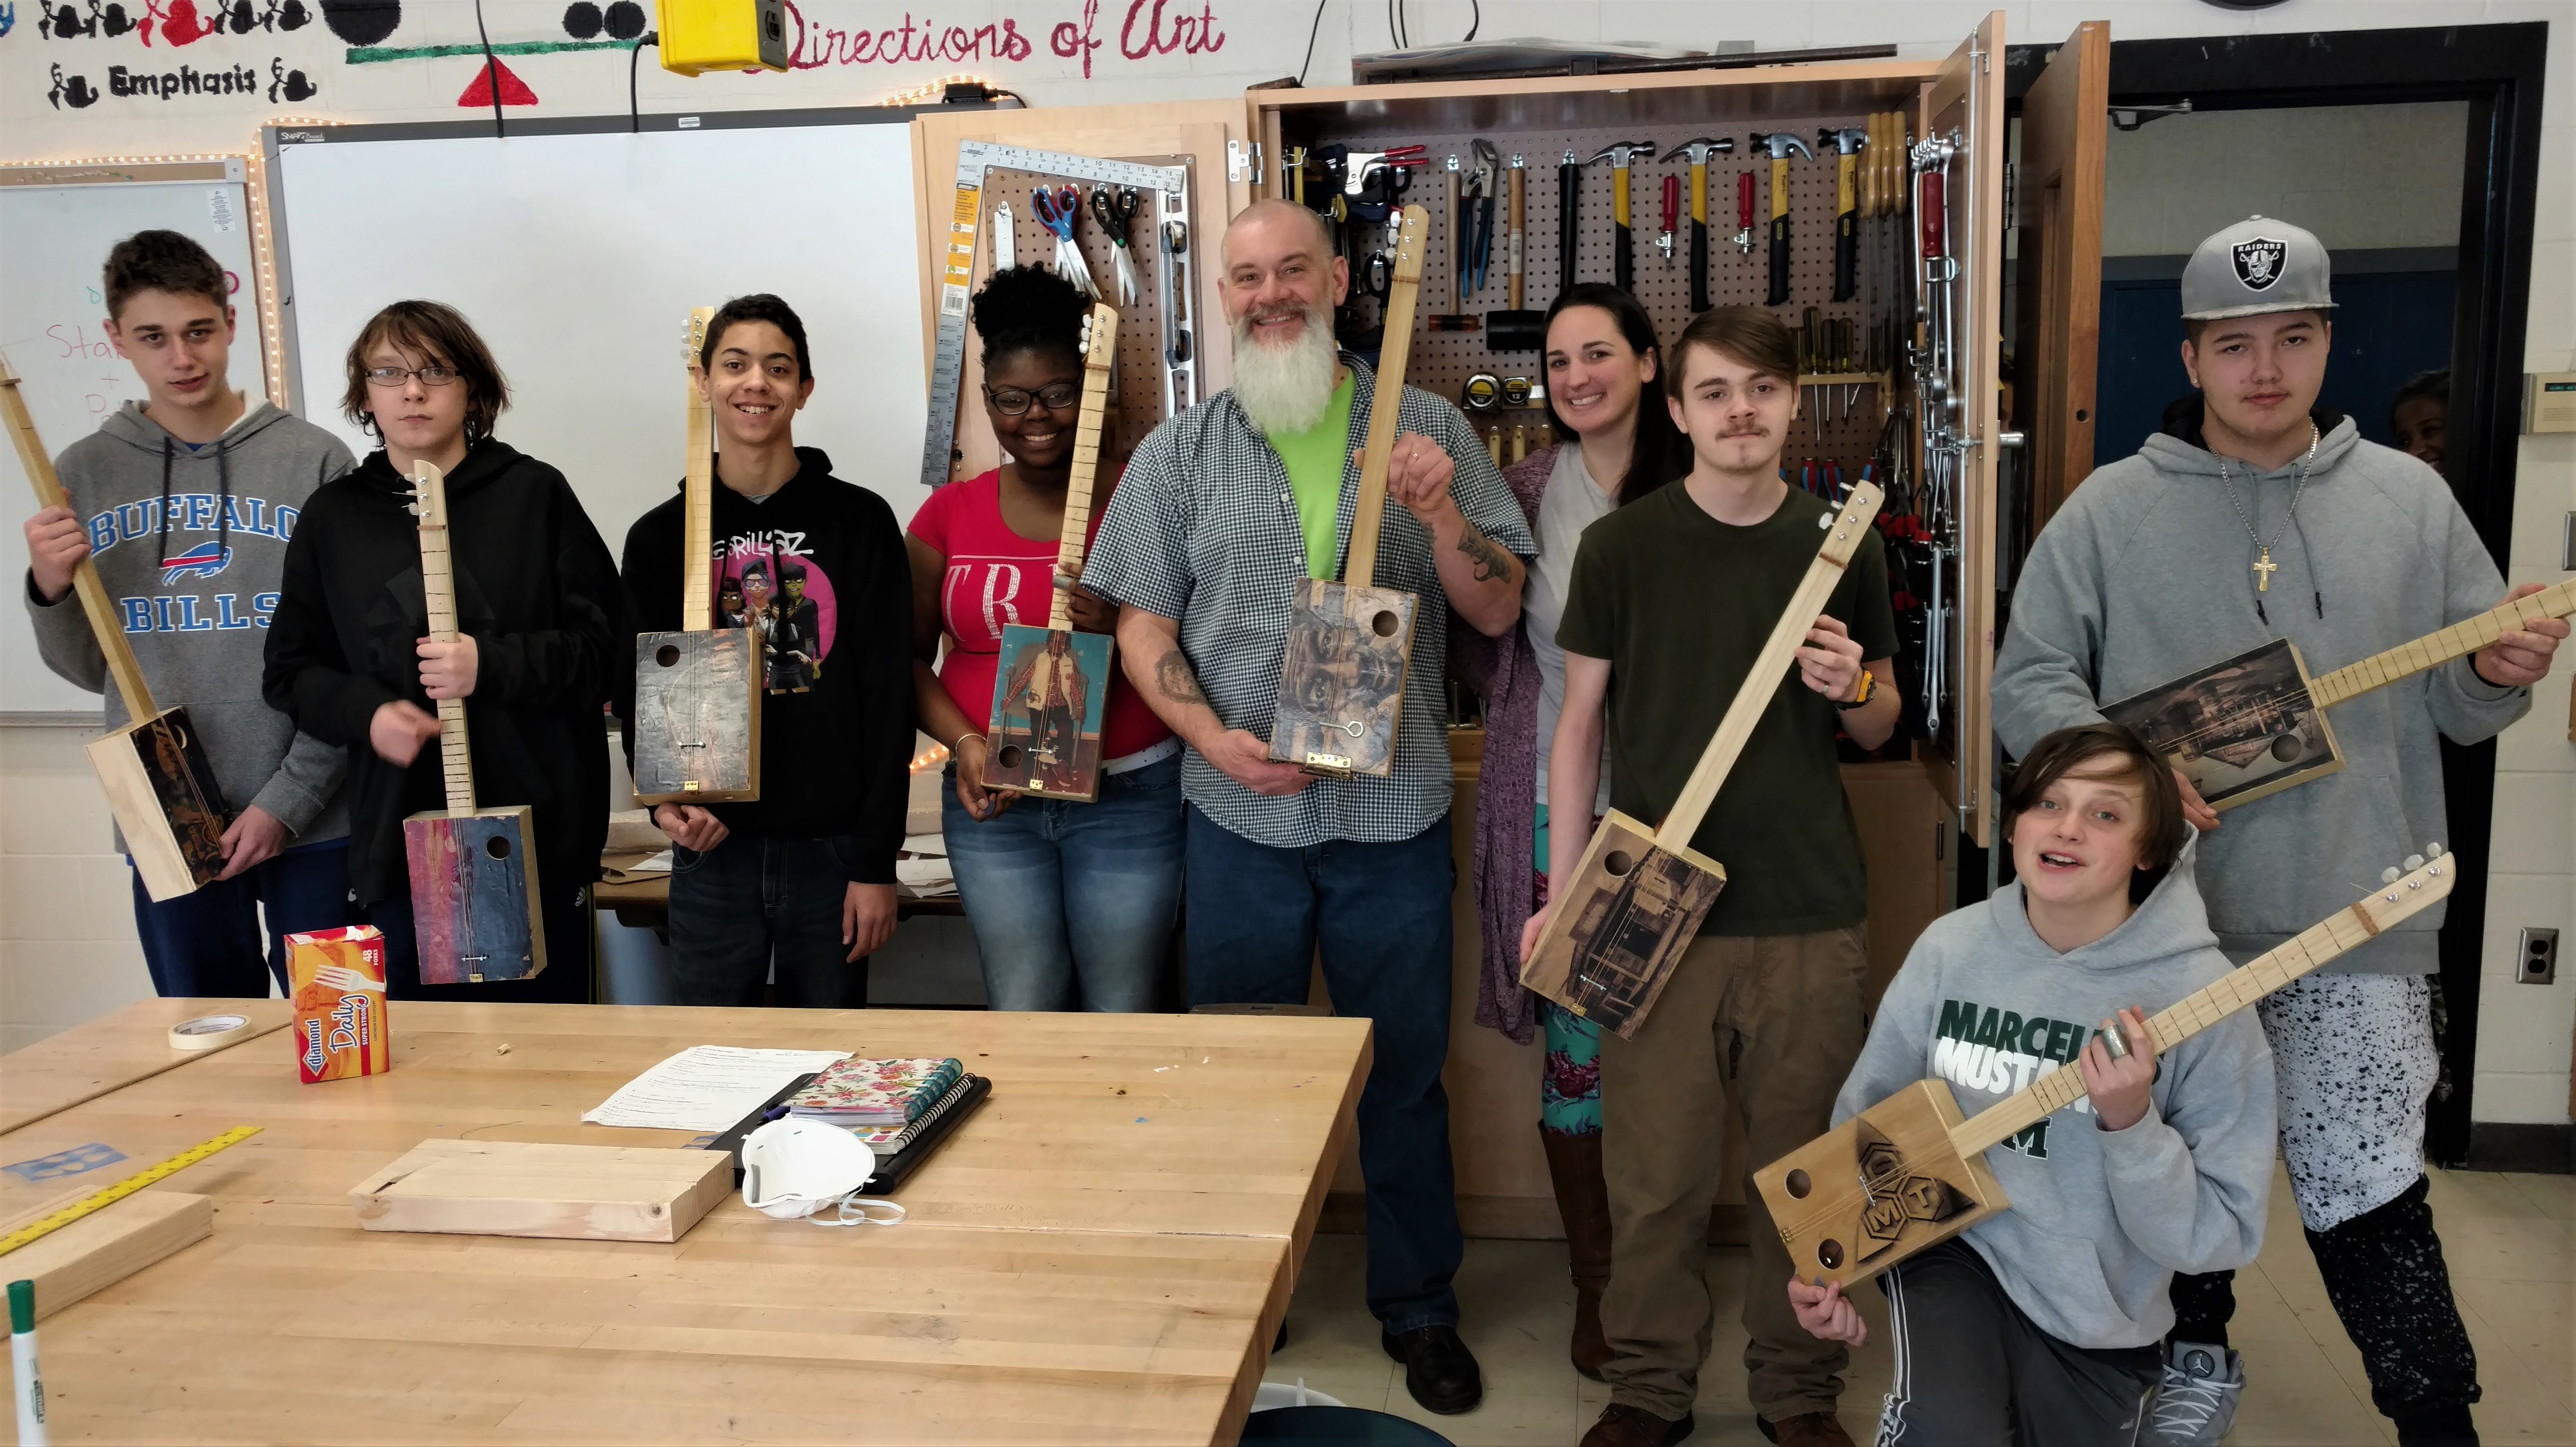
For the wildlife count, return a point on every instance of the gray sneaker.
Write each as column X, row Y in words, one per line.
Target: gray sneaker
column 2196, row 1402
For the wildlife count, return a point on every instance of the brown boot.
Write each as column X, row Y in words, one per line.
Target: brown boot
column 1583, row 1200
column 1623, row 1426
column 1807, row 1429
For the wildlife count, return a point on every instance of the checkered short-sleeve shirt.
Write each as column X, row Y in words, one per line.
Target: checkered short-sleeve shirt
column 1204, row 528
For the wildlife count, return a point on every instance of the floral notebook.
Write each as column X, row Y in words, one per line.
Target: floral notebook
column 858, row 1092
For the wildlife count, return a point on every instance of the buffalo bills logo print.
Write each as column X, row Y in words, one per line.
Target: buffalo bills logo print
column 204, row 560
column 2258, row 262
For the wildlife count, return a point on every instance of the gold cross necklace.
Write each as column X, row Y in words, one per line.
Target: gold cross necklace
column 2264, row 567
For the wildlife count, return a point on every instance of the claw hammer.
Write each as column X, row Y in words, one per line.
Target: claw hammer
column 1699, row 149
column 1780, row 144
column 1847, row 144
column 1623, row 243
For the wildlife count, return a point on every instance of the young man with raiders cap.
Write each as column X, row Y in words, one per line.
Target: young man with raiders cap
column 2253, row 515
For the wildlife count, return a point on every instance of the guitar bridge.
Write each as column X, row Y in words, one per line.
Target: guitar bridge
column 1331, row 766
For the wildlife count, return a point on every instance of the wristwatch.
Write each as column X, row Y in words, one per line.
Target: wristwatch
column 1867, row 685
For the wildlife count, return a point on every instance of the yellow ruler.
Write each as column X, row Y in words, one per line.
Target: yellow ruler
column 47, row 1225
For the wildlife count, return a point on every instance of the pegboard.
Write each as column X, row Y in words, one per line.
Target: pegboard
column 1139, row 366
column 1443, row 361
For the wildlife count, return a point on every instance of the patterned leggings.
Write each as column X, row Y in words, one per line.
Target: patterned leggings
column 1569, row 1091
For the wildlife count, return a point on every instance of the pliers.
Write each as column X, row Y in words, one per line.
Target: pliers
column 1055, row 211
column 1116, row 211
column 1358, row 167
column 1476, row 238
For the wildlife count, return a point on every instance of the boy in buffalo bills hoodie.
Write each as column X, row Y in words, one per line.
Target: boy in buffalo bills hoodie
column 2041, row 1324
column 802, row 877
column 186, row 501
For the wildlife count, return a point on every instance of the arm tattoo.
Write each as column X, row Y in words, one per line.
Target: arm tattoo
column 1173, row 675
column 1491, row 561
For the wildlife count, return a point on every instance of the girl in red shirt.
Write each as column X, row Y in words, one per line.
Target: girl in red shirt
column 1072, row 904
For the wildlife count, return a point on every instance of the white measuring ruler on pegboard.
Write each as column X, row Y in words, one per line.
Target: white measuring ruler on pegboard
column 1169, row 219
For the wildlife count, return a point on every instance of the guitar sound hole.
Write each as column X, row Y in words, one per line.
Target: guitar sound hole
column 1830, row 1253
column 1799, row 1185
column 668, row 655
column 2286, row 747
column 498, row 846
column 1009, row 756
column 1384, row 624
column 1618, row 863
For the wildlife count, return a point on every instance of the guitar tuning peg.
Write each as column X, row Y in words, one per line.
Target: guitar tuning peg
column 2433, row 850
column 2388, row 875
column 2414, row 862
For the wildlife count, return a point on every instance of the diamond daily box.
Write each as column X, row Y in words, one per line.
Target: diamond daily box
column 338, row 977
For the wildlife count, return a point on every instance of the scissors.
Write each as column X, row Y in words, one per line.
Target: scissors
column 1116, row 211
column 1055, row 211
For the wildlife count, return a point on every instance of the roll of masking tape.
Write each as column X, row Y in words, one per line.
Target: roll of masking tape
column 209, row 1032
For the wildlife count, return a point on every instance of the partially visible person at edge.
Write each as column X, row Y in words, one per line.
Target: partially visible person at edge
column 1072, row 904
column 1615, row 443
column 2252, row 515
column 350, row 658
column 800, row 880
column 187, row 500
column 1222, row 510
column 2419, row 417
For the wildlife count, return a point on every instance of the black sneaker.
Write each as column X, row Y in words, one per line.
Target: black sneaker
column 1438, row 1369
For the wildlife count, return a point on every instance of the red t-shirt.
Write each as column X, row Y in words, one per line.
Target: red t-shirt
column 996, row 578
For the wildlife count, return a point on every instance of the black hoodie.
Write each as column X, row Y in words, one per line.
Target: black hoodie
column 535, row 590
column 836, row 726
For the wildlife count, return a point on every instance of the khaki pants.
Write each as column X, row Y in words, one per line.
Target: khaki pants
column 1770, row 1025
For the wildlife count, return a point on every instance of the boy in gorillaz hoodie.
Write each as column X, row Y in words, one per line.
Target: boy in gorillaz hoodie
column 2041, row 1324
column 350, row 659
column 806, row 871
column 187, row 502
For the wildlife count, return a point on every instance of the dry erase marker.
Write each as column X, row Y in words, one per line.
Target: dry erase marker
column 24, row 1373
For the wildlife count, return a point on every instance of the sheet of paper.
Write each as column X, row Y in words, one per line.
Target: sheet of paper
column 706, row 1087
column 652, row 864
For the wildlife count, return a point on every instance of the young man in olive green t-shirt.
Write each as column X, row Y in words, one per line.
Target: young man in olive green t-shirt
column 1671, row 599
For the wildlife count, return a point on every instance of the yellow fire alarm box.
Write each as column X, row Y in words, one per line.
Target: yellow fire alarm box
column 703, row 35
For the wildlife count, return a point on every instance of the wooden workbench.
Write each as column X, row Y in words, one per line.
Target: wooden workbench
column 1102, row 1254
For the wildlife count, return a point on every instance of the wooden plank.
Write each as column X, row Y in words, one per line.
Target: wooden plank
column 521, row 1188
column 2065, row 130
column 102, row 1249
column 113, row 1051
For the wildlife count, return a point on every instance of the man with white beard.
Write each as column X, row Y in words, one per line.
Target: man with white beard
column 1221, row 511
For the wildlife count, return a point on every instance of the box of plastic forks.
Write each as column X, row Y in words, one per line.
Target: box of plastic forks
column 338, row 981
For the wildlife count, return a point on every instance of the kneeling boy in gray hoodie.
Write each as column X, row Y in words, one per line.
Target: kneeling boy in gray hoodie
column 2042, row 1323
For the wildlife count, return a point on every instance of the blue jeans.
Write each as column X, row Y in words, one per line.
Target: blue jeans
column 752, row 897
column 1072, row 904
column 209, row 941
column 1381, row 912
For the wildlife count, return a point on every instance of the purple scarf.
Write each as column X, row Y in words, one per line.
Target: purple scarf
column 1504, row 672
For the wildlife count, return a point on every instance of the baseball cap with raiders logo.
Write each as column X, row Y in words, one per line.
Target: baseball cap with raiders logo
column 2257, row 265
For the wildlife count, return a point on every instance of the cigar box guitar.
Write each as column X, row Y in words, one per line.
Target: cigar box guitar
column 2255, row 724
column 1910, row 1171
column 473, row 871
column 1051, row 692
column 1639, row 895
column 697, row 690
column 1341, row 686
column 160, row 787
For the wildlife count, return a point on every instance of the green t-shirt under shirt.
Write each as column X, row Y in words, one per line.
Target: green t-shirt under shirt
column 1315, row 459
column 1679, row 603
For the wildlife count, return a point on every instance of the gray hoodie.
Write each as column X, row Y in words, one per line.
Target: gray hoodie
column 195, row 594
column 2146, row 574
column 2100, row 1220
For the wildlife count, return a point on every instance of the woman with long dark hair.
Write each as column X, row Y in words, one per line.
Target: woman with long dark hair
column 1615, row 443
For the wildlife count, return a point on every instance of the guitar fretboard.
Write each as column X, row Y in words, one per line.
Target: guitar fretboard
column 2300, row 955
column 2436, row 648
column 438, row 589
column 104, row 625
column 1076, row 534
column 1360, row 571
column 697, row 529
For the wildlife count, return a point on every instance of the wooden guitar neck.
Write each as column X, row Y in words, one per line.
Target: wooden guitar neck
column 1842, row 534
column 2441, row 646
column 697, row 495
column 438, row 592
column 1360, row 571
column 1099, row 358
column 2301, row 954
column 103, row 622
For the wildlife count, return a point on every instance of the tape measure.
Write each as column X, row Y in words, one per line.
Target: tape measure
column 957, row 275
column 48, row 1225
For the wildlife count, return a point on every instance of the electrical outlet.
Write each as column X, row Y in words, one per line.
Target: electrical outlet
column 2538, row 962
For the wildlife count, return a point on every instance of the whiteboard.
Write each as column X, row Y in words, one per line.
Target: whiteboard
column 56, row 226
column 577, row 254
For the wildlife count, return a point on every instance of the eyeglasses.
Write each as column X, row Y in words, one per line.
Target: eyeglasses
column 430, row 376
column 1011, row 401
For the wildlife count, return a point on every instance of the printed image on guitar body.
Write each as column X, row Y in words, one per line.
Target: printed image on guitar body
column 2239, row 729
column 1342, row 678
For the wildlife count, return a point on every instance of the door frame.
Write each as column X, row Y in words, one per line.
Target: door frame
column 2499, row 70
